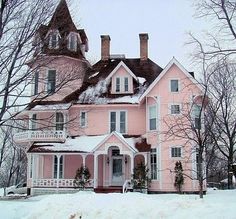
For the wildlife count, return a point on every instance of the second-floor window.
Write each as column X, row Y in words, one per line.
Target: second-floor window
column 36, row 82
column 197, row 116
column 51, row 85
column 59, row 121
column 118, row 121
column 34, row 122
column 152, row 117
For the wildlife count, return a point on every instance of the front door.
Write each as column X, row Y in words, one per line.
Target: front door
column 117, row 176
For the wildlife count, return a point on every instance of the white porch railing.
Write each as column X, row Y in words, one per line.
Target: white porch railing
column 40, row 135
column 62, row 183
column 127, row 185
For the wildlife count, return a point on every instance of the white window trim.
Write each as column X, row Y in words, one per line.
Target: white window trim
column 117, row 126
column 63, row 166
column 176, row 146
column 86, row 119
column 179, row 88
column 180, row 108
column 153, row 130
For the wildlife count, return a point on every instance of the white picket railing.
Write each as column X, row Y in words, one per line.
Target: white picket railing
column 62, row 183
column 40, row 135
column 127, row 185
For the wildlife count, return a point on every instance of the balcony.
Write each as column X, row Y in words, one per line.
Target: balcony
column 40, row 135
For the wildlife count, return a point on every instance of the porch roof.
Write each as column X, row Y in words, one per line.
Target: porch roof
column 82, row 144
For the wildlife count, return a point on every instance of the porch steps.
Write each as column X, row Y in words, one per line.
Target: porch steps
column 111, row 189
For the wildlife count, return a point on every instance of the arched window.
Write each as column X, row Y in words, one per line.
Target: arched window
column 59, row 121
column 72, row 42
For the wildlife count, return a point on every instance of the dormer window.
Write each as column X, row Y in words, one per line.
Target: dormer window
column 72, row 42
column 54, row 40
column 126, row 84
column 117, row 84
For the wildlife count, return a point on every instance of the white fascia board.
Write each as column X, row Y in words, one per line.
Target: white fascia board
column 121, row 63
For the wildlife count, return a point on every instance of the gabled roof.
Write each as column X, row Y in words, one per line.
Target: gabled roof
column 147, row 70
column 168, row 66
column 125, row 67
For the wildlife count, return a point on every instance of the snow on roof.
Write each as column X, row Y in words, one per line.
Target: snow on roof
column 83, row 143
column 141, row 80
column 93, row 92
column 93, row 75
column 62, row 106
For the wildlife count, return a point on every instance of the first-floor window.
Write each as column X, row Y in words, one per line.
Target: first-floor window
column 153, row 163
column 83, row 119
column 176, row 152
column 152, row 117
column 118, row 121
column 60, row 167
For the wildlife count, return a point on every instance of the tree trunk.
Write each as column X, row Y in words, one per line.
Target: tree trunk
column 200, row 175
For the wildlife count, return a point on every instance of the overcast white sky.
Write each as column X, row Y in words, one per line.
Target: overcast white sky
column 166, row 21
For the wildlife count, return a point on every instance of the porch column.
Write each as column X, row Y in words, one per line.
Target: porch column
column 84, row 157
column 132, row 164
column 95, row 169
column 145, row 158
column 58, row 169
column 32, row 170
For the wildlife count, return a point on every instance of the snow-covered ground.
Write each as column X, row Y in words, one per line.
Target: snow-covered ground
column 88, row 205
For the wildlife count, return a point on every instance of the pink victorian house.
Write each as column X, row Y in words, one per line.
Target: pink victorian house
column 108, row 117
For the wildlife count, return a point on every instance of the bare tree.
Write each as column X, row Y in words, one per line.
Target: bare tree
column 216, row 53
column 222, row 89
column 192, row 127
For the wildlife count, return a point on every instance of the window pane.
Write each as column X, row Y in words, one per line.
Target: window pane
column 83, row 119
column 174, row 85
column 176, row 152
column 117, row 84
column 51, row 81
column 175, row 109
column 152, row 117
column 122, row 121
column 34, row 122
column 36, row 81
column 59, row 121
column 126, row 84
column 113, row 121
column 54, row 39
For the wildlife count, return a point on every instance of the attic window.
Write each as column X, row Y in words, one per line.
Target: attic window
column 54, row 40
column 72, row 42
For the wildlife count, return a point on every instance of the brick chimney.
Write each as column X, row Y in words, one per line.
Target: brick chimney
column 105, row 47
column 143, row 46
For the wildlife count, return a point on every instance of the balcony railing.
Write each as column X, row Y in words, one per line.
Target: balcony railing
column 62, row 183
column 40, row 135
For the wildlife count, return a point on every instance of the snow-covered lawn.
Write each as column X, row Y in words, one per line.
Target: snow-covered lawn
column 88, row 205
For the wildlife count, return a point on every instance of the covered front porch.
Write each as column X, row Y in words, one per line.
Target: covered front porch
column 110, row 162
